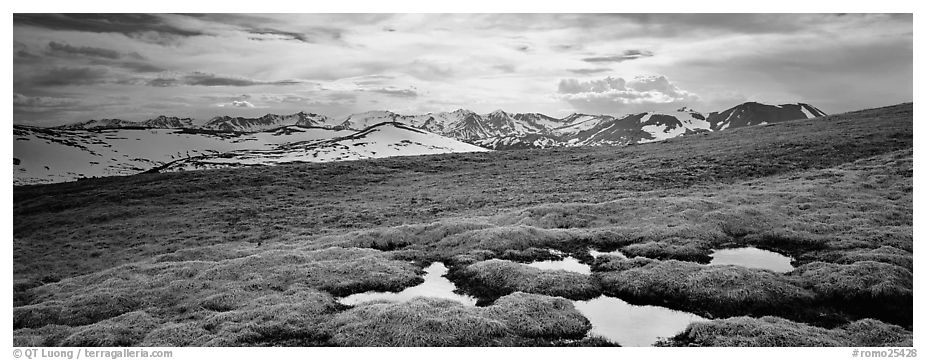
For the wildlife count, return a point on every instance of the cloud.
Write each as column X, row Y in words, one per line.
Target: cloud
column 404, row 93
column 588, row 71
column 140, row 67
column 134, row 25
column 207, row 79
column 625, row 56
column 64, row 76
column 429, row 70
column 505, row 68
column 57, row 48
column 237, row 104
column 24, row 103
column 100, row 56
column 278, row 34
column 615, row 95
column 198, row 78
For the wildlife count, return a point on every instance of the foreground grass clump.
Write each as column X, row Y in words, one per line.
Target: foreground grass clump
column 678, row 249
column 709, row 291
column 494, row 278
column 773, row 331
column 883, row 254
column 173, row 334
column 516, row 319
column 866, row 288
column 338, row 271
column 297, row 317
column 415, row 236
column 76, row 310
column 49, row 335
column 175, row 291
column 502, row 238
column 419, row 322
column 537, row 316
column 124, row 330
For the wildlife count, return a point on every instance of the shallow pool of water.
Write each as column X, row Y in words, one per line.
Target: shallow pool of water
column 632, row 325
column 753, row 258
column 434, row 285
column 596, row 253
column 568, row 263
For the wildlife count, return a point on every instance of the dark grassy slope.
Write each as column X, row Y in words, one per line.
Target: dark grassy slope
column 62, row 230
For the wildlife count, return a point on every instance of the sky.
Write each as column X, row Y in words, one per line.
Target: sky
column 76, row 67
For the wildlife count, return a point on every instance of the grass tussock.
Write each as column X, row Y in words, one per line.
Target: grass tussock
column 867, row 288
column 200, row 290
column 79, row 309
column 503, row 238
column 538, row 316
column 124, row 330
column 495, row 278
column 399, row 237
column 296, row 317
column 883, row 254
column 709, row 291
column 419, row 322
column 678, row 249
column 49, row 335
column 338, row 271
column 772, row 331
column 608, row 263
column 436, row 322
column 175, row 335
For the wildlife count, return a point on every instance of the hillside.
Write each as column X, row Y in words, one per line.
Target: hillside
column 229, row 255
column 377, row 141
column 43, row 155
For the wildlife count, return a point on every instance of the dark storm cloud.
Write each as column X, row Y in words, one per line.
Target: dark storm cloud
column 128, row 24
column 25, row 55
column 64, row 76
column 56, row 48
column 270, row 28
column 140, row 67
column 208, row 79
column 405, row 93
column 284, row 34
column 588, row 71
column 625, row 56
column 312, row 35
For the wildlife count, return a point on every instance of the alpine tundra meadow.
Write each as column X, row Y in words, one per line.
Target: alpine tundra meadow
column 463, row 180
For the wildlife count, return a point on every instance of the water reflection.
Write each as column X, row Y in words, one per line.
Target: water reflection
column 434, row 285
column 753, row 258
column 632, row 325
column 568, row 263
column 596, row 253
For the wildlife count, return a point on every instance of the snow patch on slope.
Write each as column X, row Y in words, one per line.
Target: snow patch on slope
column 382, row 140
column 47, row 156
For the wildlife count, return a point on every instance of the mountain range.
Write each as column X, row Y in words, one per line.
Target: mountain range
column 500, row 130
column 110, row 147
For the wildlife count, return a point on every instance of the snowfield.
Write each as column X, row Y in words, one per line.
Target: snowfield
column 54, row 155
column 378, row 141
